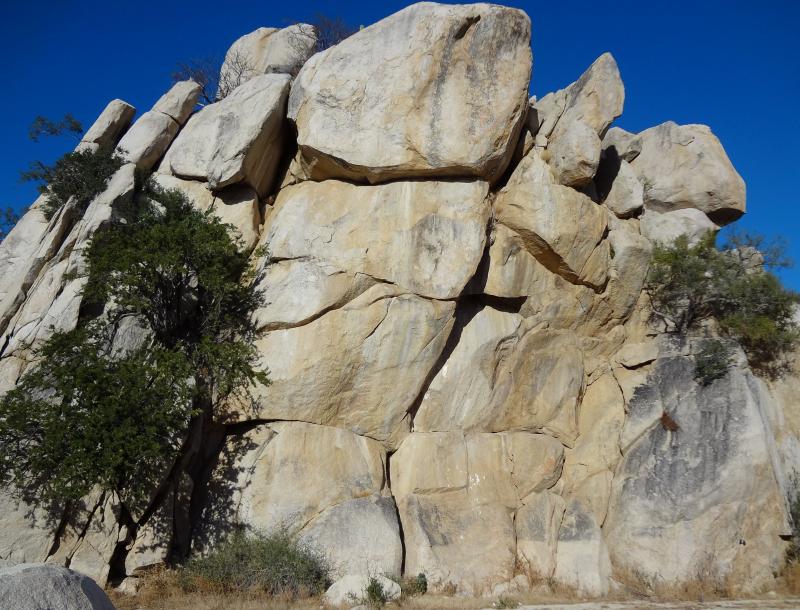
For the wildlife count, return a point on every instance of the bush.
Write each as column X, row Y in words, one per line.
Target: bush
column 733, row 285
column 275, row 564
column 416, row 585
column 712, row 361
column 82, row 175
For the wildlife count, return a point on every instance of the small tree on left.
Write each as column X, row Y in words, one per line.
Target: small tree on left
column 100, row 411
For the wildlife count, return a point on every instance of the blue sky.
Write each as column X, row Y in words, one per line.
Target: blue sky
column 730, row 64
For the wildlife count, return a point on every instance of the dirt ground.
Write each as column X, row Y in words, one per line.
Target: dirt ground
column 429, row 602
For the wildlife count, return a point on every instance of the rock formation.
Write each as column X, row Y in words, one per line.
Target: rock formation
column 464, row 379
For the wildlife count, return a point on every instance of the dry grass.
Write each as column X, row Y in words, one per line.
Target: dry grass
column 789, row 581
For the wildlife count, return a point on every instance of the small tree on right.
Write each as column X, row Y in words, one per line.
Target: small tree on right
column 729, row 291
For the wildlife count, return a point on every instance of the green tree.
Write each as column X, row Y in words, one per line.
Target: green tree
column 81, row 175
column 101, row 411
column 733, row 285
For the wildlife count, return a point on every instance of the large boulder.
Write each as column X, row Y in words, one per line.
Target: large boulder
column 433, row 90
column 426, row 237
column 238, row 139
column 697, row 491
column 267, row 51
column 685, row 166
column 561, row 227
column 39, row 587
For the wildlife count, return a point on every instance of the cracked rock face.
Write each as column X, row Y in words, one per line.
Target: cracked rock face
column 465, row 379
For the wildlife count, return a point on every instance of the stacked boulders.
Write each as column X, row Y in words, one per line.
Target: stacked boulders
column 464, row 380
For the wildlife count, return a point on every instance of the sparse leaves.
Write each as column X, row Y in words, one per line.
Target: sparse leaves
column 42, row 126
column 217, row 79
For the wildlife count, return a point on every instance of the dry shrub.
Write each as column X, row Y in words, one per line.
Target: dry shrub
column 707, row 584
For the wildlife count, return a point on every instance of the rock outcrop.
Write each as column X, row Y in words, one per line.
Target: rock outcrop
column 37, row 586
column 464, row 379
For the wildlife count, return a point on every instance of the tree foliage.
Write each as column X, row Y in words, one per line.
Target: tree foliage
column 80, row 174
column 103, row 409
column 732, row 285
column 8, row 218
column 42, row 126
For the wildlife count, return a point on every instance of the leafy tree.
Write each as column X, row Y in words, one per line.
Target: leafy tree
column 8, row 218
column 79, row 174
column 732, row 285
column 103, row 412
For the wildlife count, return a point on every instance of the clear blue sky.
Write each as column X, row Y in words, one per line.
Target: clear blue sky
column 730, row 64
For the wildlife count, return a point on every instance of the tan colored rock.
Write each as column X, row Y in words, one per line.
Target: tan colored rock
column 238, row 139
column 238, row 205
column 425, row 237
column 685, row 166
column 298, row 291
column 433, row 90
column 27, row 532
column 574, row 154
column 457, row 494
column 665, row 228
column 561, row 227
column 286, row 474
column 148, row 138
column 352, row 589
column 596, row 98
column 636, row 354
column 360, row 367
column 460, row 392
column 179, row 102
column 107, row 129
column 267, row 51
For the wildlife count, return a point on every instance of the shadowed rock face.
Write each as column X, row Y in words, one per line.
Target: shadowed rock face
column 465, row 379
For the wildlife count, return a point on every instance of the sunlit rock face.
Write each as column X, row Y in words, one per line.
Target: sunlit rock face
column 465, row 381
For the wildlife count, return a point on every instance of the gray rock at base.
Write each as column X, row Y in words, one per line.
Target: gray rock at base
column 47, row 587
column 697, row 493
column 350, row 590
column 359, row 536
